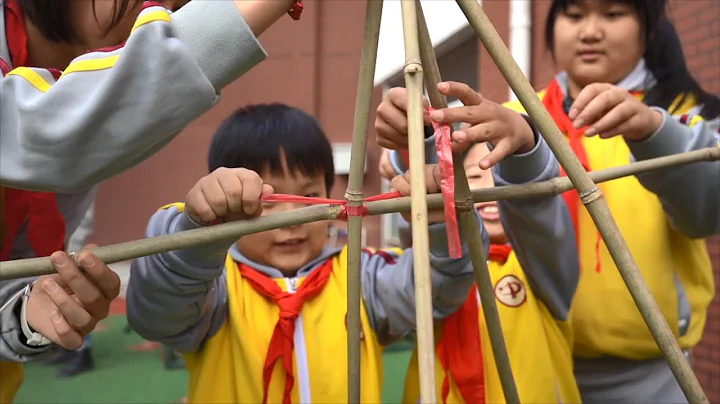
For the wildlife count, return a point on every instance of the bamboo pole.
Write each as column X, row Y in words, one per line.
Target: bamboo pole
column 469, row 227
column 230, row 232
column 591, row 197
column 354, row 193
column 421, row 243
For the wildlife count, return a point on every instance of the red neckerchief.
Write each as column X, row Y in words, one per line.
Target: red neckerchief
column 282, row 345
column 460, row 349
column 554, row 102
column 45, row 223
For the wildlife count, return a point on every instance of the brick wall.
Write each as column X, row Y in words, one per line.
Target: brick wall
column 699, row 30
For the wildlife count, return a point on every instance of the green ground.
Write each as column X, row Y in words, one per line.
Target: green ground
column 126, row 376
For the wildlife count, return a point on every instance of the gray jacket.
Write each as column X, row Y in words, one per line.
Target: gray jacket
column 180, row 298
column 166, row 76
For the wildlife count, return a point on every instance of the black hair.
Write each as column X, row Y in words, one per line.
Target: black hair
column 257, row 137
column 663, row 56
column 54, row 21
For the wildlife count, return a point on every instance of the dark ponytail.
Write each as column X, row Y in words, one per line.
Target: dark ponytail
column 665, row 59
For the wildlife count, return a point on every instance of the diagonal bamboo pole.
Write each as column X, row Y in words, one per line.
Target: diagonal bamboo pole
column 591, row 197
column 354, row 193
column 418, row 194
column 230, row 232
column 469, row 227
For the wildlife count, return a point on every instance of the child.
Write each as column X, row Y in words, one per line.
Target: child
column 133, row 76
column 534, row 284
column 220, row 308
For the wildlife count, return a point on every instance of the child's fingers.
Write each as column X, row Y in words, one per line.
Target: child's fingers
column 107, row 281
column 474, row 114
column 389, row 137
column 252, row 187
column 598, row 107
column 215, row 196
column 87, row 291
column 477, row 134
column 622, row 113
column 462, row 91
column 586, row 95
column 401, row 184
column 67, row 337
column 198, row 207
column 499, row 151
column 232, row 188
column 398, row 96
column 71, row 310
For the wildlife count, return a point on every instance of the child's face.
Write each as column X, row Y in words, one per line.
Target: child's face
column 289, row 248
column 478, row 179
column 598, row 41
column 92, row 20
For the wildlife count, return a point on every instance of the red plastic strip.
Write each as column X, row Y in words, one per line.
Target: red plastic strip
column 347, row 210
column 443, row 143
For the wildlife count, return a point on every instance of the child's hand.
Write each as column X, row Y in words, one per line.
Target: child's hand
column 391, row 123
column 227, row 193
column 609, row 111
column 401, row 183
column 485, row 121
column 384, row 166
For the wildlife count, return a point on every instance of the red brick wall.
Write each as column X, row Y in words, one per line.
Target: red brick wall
column 699, row 30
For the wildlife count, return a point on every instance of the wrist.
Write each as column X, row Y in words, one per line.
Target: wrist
column 529, row 136
column 32, row 337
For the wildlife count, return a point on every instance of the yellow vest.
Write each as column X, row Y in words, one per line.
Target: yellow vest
column 606, row 320
column 539, row 347
column 229, row 367
column 11, row 378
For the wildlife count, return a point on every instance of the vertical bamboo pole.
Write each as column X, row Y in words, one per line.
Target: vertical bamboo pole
column 591, row 197
column 420, row 237
column 354, row 193
column 468, row 224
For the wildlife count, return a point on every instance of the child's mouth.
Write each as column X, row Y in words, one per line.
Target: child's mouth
column 489, row 212
column 291, row 244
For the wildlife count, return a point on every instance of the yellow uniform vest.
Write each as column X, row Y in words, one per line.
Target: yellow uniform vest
column 606, row 320
column 229, row 367
column 539, row 347
column 11, row 378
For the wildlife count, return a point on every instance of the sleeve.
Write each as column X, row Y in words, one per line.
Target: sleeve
column 178, row 298
column 388, row 284
column 540, row 230
column 117, row 107
column 690, row 194
column 389, row 280
column 12, row 339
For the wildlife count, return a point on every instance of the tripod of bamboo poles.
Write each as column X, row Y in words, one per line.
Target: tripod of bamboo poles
column 418, row 51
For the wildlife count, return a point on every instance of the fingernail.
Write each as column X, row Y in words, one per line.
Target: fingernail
column 87, row 261
column 579, row 124
column 50, row 286
column 459, row 137
column 59, row 259
column 443, row 86
column 572, row 113
column 56, row 316
column 436, row 115
column 590, row 132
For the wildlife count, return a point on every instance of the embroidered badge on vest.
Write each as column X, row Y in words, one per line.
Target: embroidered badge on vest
column 510, row 291
column 362, row 334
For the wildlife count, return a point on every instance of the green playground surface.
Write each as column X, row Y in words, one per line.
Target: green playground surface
column 125, row 374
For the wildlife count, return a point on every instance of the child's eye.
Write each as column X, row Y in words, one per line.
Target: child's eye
column 573, row 16
column 615, row 14
column 313, row 195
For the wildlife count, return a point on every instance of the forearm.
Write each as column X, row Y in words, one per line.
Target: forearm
column 540, row 230
column 178, row 298
column 117, row 108
column 389, row 285
column 690, row 194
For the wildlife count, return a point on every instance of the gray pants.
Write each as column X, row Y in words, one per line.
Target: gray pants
column 620, row 381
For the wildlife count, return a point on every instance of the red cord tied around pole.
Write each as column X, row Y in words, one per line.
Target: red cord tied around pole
column 347, row 210
column 443, row 144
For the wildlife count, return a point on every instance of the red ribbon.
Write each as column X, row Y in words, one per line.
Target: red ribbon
column 443, row 144
column 347, row 210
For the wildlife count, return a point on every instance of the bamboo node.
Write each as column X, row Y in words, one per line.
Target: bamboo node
column 464, row 205
column 413, row 67
column 354, row 196
column 591, row 195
